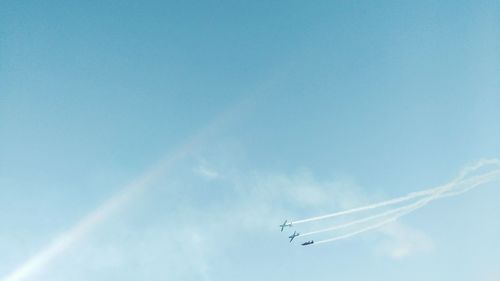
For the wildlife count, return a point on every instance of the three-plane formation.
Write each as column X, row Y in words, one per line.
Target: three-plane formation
column 369, row 217
column 295, row 233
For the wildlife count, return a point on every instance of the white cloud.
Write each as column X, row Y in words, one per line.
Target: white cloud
column 403, row 241
column 206, row 172
column 189, row 241
column 491, row 275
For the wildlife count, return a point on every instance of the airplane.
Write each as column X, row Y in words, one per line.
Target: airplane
column 285, row 225
column 295, row 234
column 308, row 243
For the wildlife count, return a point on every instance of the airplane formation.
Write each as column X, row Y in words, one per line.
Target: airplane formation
column 295, row 233
column 379, row 214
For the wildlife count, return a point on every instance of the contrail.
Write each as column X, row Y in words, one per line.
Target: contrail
column 478, row 180
column 42, row 259
column 373, row 206
column 371, row 227
column 375, row 226
column 39, row 261
column 363, row 220
column 348, row 235
column 405, row 198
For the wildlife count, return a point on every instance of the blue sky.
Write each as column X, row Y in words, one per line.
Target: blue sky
column 264, row 111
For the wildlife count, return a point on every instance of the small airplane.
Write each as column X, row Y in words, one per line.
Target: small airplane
column 295, row 234
column 308, row 243
column 285, row 225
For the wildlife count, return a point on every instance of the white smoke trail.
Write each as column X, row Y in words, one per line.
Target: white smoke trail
column 348, row 235
column 363, row 220
column 371, row 227
column 405, row 198
column 429, row 192
column 377, row 225
column 477, row 181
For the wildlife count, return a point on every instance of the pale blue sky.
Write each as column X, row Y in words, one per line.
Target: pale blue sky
column 296, row 108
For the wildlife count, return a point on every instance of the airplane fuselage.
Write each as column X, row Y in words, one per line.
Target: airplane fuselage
column 308, row 243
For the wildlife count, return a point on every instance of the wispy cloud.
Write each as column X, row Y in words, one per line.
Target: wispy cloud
column 403, row 241
column 190, row 241
column 205, row 171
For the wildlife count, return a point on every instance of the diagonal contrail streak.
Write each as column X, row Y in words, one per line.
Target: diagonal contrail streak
column 40, row 260
column 35, row 264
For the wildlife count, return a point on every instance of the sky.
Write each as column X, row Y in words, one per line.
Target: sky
column 167, row 140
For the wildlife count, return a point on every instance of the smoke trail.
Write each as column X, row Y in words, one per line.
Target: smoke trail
column 478, row 180
column 371, row 227
column 348, row 235
column 480, row 164
column 375, row 226
column 363, row 220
